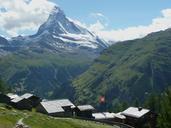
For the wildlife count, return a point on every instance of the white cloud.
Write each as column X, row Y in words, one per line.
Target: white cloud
column 23, row 15
column 160, row 23
column 97, row 14
column 97, row 26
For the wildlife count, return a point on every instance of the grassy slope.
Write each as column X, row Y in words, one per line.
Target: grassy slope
column 128, row 70
column 8, row 119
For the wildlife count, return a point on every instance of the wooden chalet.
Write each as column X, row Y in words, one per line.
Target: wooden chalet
column 84, row 111
column 26, row 101
column 4, row 98
column 62, row 107
column 137, row 117
column 32, row 98
column 21, row 103
column 12, row 96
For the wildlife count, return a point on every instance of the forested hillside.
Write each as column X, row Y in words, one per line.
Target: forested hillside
column 128, row 71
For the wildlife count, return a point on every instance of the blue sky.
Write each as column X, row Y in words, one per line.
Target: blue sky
column 120, row 13
column 115, row 20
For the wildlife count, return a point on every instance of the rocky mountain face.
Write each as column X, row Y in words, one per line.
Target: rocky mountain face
column 48, row 60
column 59, row 33
column 67, row 33
column 128, row 71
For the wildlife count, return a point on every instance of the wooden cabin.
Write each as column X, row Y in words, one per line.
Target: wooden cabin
column 67, row 105
column 26, row 101
column 12, row 96
column 4, row 98
column 137, row 117
column 50, row 109
column 32, row 98
column 84, row 111
column 62, row 107
column 21, row 103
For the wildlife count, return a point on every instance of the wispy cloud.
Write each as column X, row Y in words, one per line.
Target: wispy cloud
column 97, row 14
column 159, row 23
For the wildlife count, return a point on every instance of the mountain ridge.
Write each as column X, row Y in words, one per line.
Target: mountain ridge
column 127, row 70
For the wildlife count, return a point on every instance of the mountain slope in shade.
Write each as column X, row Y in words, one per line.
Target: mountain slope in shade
column 128, row 71
column 3, row 44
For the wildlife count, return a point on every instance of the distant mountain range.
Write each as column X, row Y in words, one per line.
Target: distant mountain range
column 51, row 58
column 128, row 71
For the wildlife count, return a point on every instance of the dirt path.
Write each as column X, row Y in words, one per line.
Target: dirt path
column 20, row 124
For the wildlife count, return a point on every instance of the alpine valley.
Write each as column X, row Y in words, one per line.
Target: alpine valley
column 64, row 59
column 47, row 61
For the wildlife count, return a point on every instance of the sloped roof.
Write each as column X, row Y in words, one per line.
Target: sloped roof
column 118, row 115
column 27, row 95
column 62, row 102
column 85, row 107
column 103, row 115
column 56, row 105
column 135, row 112
column 12, row 96
column 108, row 115
column 98, row 115
column 17, row 99
column 52, row 108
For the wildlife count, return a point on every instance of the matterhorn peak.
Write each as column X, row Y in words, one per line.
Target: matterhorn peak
column 57, row 23
column 58, row 28
column 56, row 11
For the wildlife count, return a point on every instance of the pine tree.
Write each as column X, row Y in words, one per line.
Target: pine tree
column 3, row 86
column 153, row 102
column 164, row 119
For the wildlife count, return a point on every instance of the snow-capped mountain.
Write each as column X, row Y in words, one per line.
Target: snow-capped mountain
column 57, row 23
column 47, row 61
column 58, row 32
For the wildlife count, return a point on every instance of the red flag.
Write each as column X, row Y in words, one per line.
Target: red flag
column 102, row 99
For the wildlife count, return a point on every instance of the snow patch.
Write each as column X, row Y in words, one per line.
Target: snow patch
column 81, row 40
